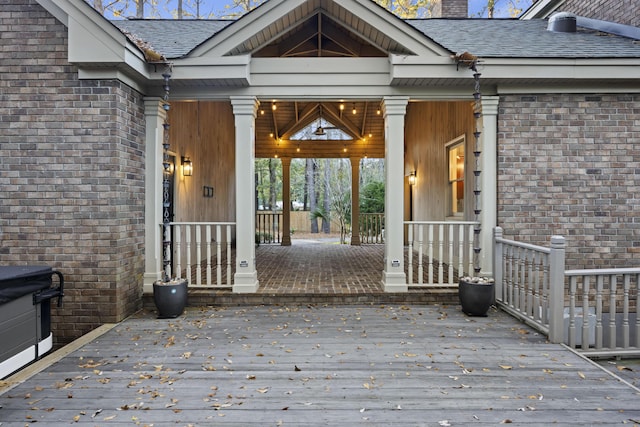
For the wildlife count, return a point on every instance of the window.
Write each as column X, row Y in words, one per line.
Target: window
column 455, row 159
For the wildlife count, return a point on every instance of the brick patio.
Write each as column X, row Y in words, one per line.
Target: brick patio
column 320, row 270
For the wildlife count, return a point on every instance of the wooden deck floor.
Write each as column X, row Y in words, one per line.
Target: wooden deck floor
column 321, row 365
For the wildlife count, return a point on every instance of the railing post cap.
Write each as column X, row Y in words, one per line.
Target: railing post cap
column 557, row 241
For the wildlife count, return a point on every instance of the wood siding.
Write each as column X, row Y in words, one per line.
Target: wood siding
column 429, row 127
column 204, row 131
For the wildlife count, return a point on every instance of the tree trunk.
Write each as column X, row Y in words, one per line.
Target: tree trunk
column 326, row 225
column 273, row 191
column 311, row 186
column 97, row 5
column 180, row 12
column 305, row 200
column 140, row 9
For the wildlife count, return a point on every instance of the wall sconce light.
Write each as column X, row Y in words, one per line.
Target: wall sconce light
column 412, row 178
column 187, row 166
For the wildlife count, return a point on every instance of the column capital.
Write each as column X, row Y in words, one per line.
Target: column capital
column 490, row 105
column 245, row 105
column 396, row 105
column 153, row 107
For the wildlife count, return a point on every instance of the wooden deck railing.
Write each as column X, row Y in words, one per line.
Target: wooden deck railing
column 371, row 228
column 268, row 227
column 593, row 311
column 602, row 312
column 202, row 253
column 439, row 252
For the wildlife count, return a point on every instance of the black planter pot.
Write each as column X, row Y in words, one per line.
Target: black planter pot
column 476, row 298
column 170, row 298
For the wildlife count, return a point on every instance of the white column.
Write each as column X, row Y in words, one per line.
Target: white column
column 154, row 119
column 394, row 278
column 355, row 201
column 488, row 181
column 246, row 276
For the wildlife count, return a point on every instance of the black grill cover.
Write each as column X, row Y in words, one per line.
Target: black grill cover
column 17, row 281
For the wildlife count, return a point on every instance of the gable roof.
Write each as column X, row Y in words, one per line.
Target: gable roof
column 497, row 38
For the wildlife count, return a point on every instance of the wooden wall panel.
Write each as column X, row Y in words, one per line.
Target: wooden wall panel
column 204, row 131
column 429, row 127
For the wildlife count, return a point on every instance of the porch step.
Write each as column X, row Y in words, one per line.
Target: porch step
column 202, row 297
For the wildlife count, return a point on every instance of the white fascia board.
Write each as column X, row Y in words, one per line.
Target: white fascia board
column 227, row 68
column 541, row 9
column 319, row 71
column 245, row 27
column 394, row 27
column 411, row 67
column 573, row 69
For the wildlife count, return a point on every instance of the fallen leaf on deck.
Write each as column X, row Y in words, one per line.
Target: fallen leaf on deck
column 581, row 375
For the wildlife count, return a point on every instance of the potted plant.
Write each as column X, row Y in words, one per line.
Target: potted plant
column 476, row 294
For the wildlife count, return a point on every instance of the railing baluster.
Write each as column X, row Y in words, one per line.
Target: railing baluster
column 572, row 311
column 612, row 311
column 208, row 236
column 198, row 255
column 218, row 255
column 421, row 255
column 410, row 255
column 229, row 255
column 188, row 243
column 450, row 256
column 585, row 312
column 178, row 248
column 460, row 253
column 637, row 343
column 625, row 312
column 440, row 252
column 599, row 330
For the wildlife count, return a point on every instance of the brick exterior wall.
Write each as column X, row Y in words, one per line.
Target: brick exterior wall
column 570, row 165
column 72, row 173
column 450, row 9
column 622, row 11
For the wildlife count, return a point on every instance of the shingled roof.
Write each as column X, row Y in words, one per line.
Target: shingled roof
column 498, row 38
column 173, row 38
column 512, row 38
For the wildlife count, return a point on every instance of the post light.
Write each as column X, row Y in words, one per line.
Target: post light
column 187, row 166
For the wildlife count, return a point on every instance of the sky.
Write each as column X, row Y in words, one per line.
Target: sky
column 216, row 8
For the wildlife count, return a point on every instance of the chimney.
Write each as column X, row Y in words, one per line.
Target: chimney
column 451, row 9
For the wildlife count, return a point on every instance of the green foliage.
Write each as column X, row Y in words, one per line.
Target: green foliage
column 372, row 197
column 409, row 8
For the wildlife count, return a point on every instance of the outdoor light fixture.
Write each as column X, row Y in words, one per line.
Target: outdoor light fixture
column 412, row 178
column 187, row 166
column 354, row 111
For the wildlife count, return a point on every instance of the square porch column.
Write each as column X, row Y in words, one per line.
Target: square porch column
column 246, row 277
column 488, row 181
column 394, row 278
column 154, row 119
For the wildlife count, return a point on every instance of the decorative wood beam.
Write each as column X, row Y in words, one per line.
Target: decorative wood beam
column 342, row 121
column 301, row 119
